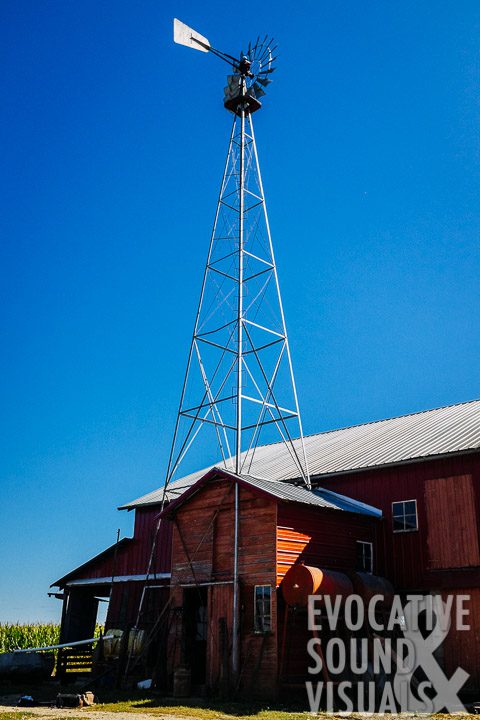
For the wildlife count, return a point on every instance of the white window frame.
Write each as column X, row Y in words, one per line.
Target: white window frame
column 264, row 615
column 366, row 542
column 406, row 530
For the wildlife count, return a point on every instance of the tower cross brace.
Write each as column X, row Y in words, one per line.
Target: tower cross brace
column 239, row 379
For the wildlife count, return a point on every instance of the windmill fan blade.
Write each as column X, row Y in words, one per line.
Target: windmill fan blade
column 263, row 55
column 267, row 53
column 258, row 90
column 184, row 35
column 263, row 81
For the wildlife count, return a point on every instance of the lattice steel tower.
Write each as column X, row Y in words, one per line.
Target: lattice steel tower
column 239, row 380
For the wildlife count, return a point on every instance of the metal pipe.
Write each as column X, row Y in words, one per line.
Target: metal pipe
column 64, row 645
column 235, row 628
column 238, row 445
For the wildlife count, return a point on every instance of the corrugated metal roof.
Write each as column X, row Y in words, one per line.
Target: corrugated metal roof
column 317, row 497
column 422, row 435
column 287, row 492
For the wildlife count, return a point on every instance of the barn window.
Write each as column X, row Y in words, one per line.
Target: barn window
column 263, row 608
column 404, row 516
column 364, row 556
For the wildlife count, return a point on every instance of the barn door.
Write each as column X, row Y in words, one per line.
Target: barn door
column 195, row 628
column 80, row 615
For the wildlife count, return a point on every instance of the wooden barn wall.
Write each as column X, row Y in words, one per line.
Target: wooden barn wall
column 451, row 544
column 174, row 639
column 193, row 529
column 202, row 552
column 324, row 538
column 146, row 520
column 123, row 605
column 259, row 651
column 203, row 535
column 125, row 601
column 407, row 561
column 219, row 646
column 461, row 647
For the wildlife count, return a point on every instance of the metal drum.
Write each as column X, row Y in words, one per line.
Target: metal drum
column 303, row 580
column 367, row 586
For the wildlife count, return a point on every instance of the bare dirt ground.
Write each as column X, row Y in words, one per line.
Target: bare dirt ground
column 54, row 713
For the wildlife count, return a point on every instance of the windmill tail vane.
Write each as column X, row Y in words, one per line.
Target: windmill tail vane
column 251, row 71
column 239, row 382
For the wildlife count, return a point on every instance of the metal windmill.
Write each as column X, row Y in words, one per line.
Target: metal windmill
column 239, row 379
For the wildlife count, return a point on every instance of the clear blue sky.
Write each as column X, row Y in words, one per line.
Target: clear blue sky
column 113, row 141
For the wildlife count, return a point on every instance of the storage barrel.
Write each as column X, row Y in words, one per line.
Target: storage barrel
column 301, row 581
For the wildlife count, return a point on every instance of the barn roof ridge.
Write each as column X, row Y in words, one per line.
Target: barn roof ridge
column 380, row 420
column 413, row 437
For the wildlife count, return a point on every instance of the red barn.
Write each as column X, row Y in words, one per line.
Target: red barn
column 397, row 498
column 279, row 525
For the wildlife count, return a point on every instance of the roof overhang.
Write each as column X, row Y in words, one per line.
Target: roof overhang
column 94, row 581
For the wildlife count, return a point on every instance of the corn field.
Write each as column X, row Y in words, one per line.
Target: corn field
column 18, row 637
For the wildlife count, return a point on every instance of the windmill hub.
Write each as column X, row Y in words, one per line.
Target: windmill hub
column 239, row 97
column 245, row 66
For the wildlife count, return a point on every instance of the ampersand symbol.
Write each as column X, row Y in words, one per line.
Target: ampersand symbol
column 423, row 648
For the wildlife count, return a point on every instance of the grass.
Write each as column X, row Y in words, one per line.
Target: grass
column 124, row 701
column 201, row 709
column 204, row 710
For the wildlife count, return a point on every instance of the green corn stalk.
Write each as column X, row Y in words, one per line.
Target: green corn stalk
column 14, row 636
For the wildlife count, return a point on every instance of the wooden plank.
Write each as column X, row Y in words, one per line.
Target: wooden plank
column 452, row 524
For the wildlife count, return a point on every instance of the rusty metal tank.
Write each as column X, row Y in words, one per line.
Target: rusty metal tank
column 367, row 585
column 300, row 581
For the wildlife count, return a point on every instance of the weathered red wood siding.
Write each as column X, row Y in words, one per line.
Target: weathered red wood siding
column 146, row 520
column 460, row 648
column 324, row 538
column 407, row 560
column 451, row 522
column 125, row 601
column 202, row 552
